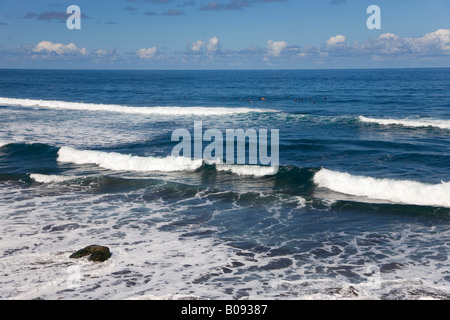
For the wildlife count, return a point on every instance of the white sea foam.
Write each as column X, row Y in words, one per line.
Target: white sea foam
column 164, row 297
column 438, row 123
column 247, row 170
column 149, row 263
column 124, row 162
column 52, row 178
column 3, row 143
column 165, row 111
column 301, row 202
column 397, row 191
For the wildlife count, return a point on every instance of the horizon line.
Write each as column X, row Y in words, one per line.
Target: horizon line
column 243, row 69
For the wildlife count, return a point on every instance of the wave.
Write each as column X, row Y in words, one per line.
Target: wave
column 165, row 111
column 51, row 178
column 288, row 179
column 396, row 191
column 123, row 162
column 417, row 123
column 3, row 143
column 246, row 170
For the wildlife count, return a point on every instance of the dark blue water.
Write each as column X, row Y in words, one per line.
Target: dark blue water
column 361, row 199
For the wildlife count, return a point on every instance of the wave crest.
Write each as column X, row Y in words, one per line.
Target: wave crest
column 164, row 111
column 123, row 162
column 51, row 178
column 244, row 170
column 3, row 143
column 396, row 191
column 416, row 123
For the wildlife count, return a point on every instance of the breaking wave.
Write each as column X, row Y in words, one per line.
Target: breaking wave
column 396, row 191
column 123, row 162
column 51, row 178
column 165, row 111
column 417, row 123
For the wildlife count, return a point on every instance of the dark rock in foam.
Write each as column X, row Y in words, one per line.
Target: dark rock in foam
column 95, row 253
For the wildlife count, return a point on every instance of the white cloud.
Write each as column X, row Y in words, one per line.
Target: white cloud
column 197, row 46
column 388, row 43
column 434, row 43
column 275, row 47
column 101, row 52
column 336, row 40
column 58, row 48
column 388, row 36
column 213, row 44
column 437, row 41
column 146, row 53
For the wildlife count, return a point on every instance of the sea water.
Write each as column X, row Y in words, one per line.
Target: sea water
column 357, row 209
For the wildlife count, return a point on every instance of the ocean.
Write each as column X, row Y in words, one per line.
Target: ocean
column 358, row 208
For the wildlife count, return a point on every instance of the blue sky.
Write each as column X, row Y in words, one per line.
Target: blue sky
column 224, row 34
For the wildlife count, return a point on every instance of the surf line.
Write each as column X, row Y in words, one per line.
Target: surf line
column 235, row 153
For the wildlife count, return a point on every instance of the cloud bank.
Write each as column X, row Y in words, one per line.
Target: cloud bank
column 388, row 49
column 58, row 48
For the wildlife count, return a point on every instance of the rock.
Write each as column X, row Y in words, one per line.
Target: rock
column 95, row 253
column 100, row 254
column 84, row 252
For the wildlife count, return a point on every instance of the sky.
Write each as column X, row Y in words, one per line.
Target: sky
column 224, row 34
